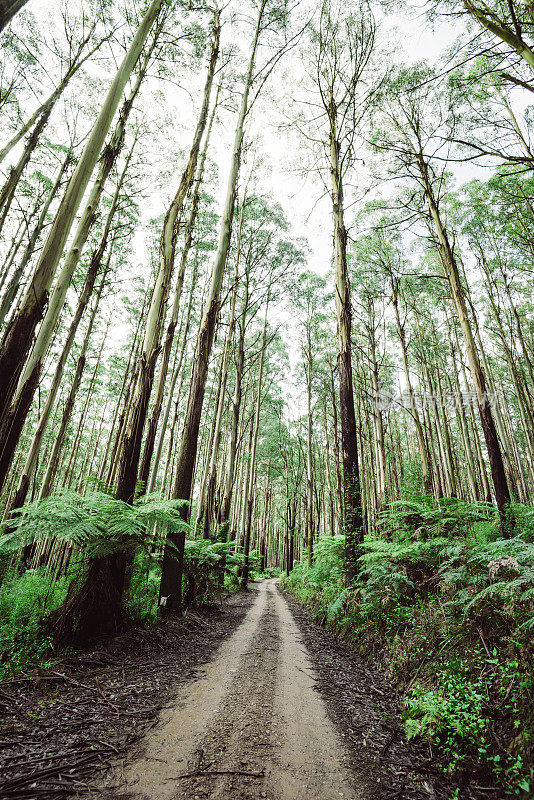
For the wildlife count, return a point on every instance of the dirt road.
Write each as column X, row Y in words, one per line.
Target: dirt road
column 250, row 727
column 248, row 700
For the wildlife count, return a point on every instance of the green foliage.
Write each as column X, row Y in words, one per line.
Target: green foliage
column 269, row 572
column 209, row 569
column 458, row 716
column 25, row 602
column 321, row 585
column 142, row 600
column 434, row 598
column 435, row 517
column 95, row 521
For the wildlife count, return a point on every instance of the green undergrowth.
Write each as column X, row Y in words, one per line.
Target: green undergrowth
column 95, row 525
column 28, row 601
column 445, row 607
column 25, row 604
column 269, row 572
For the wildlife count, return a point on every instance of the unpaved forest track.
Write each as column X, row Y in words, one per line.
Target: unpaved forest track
column 255, row 701
column 250, row 727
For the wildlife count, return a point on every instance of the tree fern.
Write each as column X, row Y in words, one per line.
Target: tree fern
column 96, row 522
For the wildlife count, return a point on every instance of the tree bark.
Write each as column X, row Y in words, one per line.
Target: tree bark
column 254, row 444
column 209, row 511
column 16, row 416
column 172, row 569
column 35, row 447
column 353, row 520
column 19, row 335
column 168, row 244
column 13, row 285
column 500, row 483
column 8, row 9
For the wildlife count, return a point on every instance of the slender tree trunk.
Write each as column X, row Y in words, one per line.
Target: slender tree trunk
column 309, row 453
column 463, row 425
column 41, row 115
column 353, row 520
column 328, row 473
column 174, row 377
column 16, row 415
column 16, row 243
column 337, row 459
column 35, row 447
column 421, row 441
column 171, row 577
column 500, row 483
column 123, row 400
column 209, row 512
column 13, row 285
column 53, row 460
column 378, row 422
column 224, row 514
column 168, row 245
column 69, row 474
column 19, row 335
column 254, row 444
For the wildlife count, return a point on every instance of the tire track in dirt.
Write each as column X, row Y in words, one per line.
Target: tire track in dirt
column 251, row 727
column 240, row 738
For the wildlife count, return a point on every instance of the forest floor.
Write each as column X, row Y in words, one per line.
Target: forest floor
column 254, row 701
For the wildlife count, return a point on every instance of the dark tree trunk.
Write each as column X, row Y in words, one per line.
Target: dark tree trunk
column 352, row 501
column 171, row 579
column 93, row 607
column 8, row 9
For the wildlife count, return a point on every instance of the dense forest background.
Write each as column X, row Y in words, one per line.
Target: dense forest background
column 266, row 308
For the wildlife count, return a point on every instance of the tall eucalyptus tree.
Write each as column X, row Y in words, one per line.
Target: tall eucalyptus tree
column 343, row 42
column 271, row 16
column 18, row 337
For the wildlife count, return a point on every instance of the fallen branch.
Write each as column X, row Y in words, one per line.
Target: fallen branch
column 199, row 772
column 391, row 738
column 101, row 693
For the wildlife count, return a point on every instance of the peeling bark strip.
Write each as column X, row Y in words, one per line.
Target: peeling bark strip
column 18, row 337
